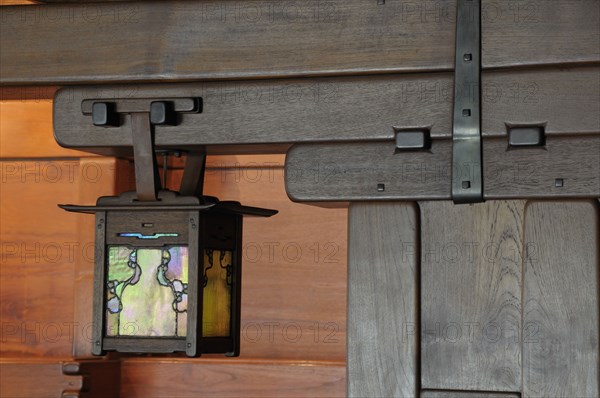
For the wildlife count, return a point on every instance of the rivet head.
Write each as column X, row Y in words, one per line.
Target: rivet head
column 380, row 187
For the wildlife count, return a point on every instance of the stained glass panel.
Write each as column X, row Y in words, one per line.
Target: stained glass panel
column 147, row 291
column 217, row 281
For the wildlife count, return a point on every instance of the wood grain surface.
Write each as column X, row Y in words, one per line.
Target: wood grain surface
column 533, row 172
column 560, row 287
column 35, row 378
column 353, row 171
column 158, row 41
column 231, row 378
column 471, row 295
column 382, row 300
column 537, row 32
column 275, row 113
column 191, row 40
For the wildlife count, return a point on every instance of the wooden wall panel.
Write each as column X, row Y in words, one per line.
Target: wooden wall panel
column 39, row 242
column 560, row 318
column 26, row 130
column 155, row 378
column 382, row 300
column 43, row 250
column 471, row 295
column 35, row 378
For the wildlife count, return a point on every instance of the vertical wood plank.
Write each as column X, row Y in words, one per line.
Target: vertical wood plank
column 471, row 296
column 560, row 318
column 382, row 300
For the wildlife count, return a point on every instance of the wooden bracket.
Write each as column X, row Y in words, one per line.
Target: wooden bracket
column 144, row 115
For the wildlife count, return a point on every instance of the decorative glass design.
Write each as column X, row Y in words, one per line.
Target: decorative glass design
column 147, row 291
column 217, row 282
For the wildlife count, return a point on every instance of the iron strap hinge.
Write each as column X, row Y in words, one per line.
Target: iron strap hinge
column 467, row 166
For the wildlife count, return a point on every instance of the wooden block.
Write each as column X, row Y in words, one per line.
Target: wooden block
column 382, row 300
column 564, row 167
column 231, row 378
column 367, row 171
column 560, row 316
column 471, row 296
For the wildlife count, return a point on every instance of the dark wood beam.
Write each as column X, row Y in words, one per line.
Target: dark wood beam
column 268, row 115
column 149, row 41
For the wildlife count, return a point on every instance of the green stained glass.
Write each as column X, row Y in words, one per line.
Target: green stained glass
column 147, row 291
column 218, row 274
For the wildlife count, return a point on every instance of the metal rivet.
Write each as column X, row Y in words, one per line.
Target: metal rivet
column 468, row 57
column 97, row 342
column 466, row 184
column 466, row 112
column 559, row 183
column 189, row 345
column 380, row 187
column 380, row 2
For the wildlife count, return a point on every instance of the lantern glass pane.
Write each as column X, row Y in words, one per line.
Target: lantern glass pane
column 217, row 282
column 146, row 291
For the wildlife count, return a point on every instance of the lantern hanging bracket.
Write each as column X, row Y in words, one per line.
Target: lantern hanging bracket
column 144, row 115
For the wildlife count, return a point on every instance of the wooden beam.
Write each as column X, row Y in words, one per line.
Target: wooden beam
column 271, row 114
column 191, row 40
column 382, row 300
column 565, row 167
column 195, row 40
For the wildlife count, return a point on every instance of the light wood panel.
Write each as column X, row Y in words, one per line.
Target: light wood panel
column 471, row 295
column 560, row 317
column 382, row 300
column 155, row 378
column 26, row 130
column 39, row 245
column 35, row 378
